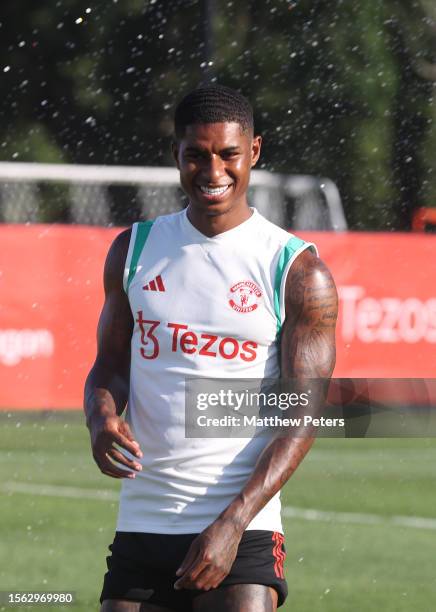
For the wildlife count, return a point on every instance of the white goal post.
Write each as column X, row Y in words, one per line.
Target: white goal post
column 92, row 194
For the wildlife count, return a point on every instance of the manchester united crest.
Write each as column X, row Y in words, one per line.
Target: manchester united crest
column 244, row 296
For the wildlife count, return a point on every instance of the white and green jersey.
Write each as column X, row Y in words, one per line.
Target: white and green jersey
column 202, row 307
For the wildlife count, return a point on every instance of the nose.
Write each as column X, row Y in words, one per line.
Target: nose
column 214, row 168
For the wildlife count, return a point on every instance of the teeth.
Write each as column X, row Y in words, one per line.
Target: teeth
column 216, row 191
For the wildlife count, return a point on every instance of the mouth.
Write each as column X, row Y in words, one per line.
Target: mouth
column 214, row 193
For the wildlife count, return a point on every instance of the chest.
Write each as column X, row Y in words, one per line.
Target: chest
column 196, row 290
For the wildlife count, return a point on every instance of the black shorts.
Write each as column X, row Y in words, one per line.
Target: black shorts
column 143, row 561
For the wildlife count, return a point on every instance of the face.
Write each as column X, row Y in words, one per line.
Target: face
column 215, row 160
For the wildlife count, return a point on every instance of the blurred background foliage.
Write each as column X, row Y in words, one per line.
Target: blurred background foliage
column 343, row 89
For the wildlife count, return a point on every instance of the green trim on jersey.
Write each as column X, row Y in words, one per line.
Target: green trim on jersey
column 288, row 251
column 142, row 233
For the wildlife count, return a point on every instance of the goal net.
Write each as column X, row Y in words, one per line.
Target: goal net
column 119, row 195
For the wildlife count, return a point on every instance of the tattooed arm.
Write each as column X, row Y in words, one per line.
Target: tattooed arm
column 307, row 352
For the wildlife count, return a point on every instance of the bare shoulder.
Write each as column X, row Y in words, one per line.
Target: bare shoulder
column 115, row 261
column 307, row 275
column 311, row 305
column 310, row 293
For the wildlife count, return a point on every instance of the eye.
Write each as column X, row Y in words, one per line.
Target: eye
column 229, row 154
column 193, row 155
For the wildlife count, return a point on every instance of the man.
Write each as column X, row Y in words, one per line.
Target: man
column 215, row 291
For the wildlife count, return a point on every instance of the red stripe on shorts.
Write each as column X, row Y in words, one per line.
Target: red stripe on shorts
column 278, row 554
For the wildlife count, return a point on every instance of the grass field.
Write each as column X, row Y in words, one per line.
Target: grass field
column 351, row 555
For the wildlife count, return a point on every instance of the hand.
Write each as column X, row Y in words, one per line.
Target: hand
column 106, row 431
column 210, row 556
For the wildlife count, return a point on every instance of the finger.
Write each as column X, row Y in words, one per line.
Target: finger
column 119, row 476
column 113, row 463
column 186, row 581
column 117, row 473
column 125, row 429
column 121, row 440
column 209, row 578
column 189, row 559
column 120, row 458
column 110, row 469
column 196, row 568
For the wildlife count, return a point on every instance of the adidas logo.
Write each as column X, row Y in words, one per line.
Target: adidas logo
column 155, row 285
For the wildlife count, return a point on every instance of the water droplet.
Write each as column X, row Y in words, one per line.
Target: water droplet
column 6, row 69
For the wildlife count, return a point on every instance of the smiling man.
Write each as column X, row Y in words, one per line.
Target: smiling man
column 213, row 291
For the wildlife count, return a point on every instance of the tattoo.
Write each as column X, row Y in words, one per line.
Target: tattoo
column 329, row 315
column 318, row 306
column 311, row 309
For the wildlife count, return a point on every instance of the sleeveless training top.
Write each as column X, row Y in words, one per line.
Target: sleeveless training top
column 202, row 307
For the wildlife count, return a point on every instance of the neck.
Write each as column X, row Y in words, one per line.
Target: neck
column 212, row 223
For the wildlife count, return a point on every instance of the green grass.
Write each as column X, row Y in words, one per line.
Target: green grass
column 55, row 543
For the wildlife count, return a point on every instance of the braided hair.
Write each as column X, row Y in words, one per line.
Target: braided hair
column 213, row 104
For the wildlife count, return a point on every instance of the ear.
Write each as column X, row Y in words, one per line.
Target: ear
column 256, row 145
column 175, row 152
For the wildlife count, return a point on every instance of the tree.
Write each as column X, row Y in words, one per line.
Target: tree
column 340, row 89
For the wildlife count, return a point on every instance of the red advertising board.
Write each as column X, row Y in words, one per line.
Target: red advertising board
column 51, row 295
column 387, row 289
column 51, row 291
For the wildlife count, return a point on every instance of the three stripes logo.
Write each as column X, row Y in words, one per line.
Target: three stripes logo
column 156, row 284
column 278, row 553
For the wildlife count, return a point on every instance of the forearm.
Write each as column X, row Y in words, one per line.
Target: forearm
column 106, row 391
column 284, row 453
column 276, row 464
